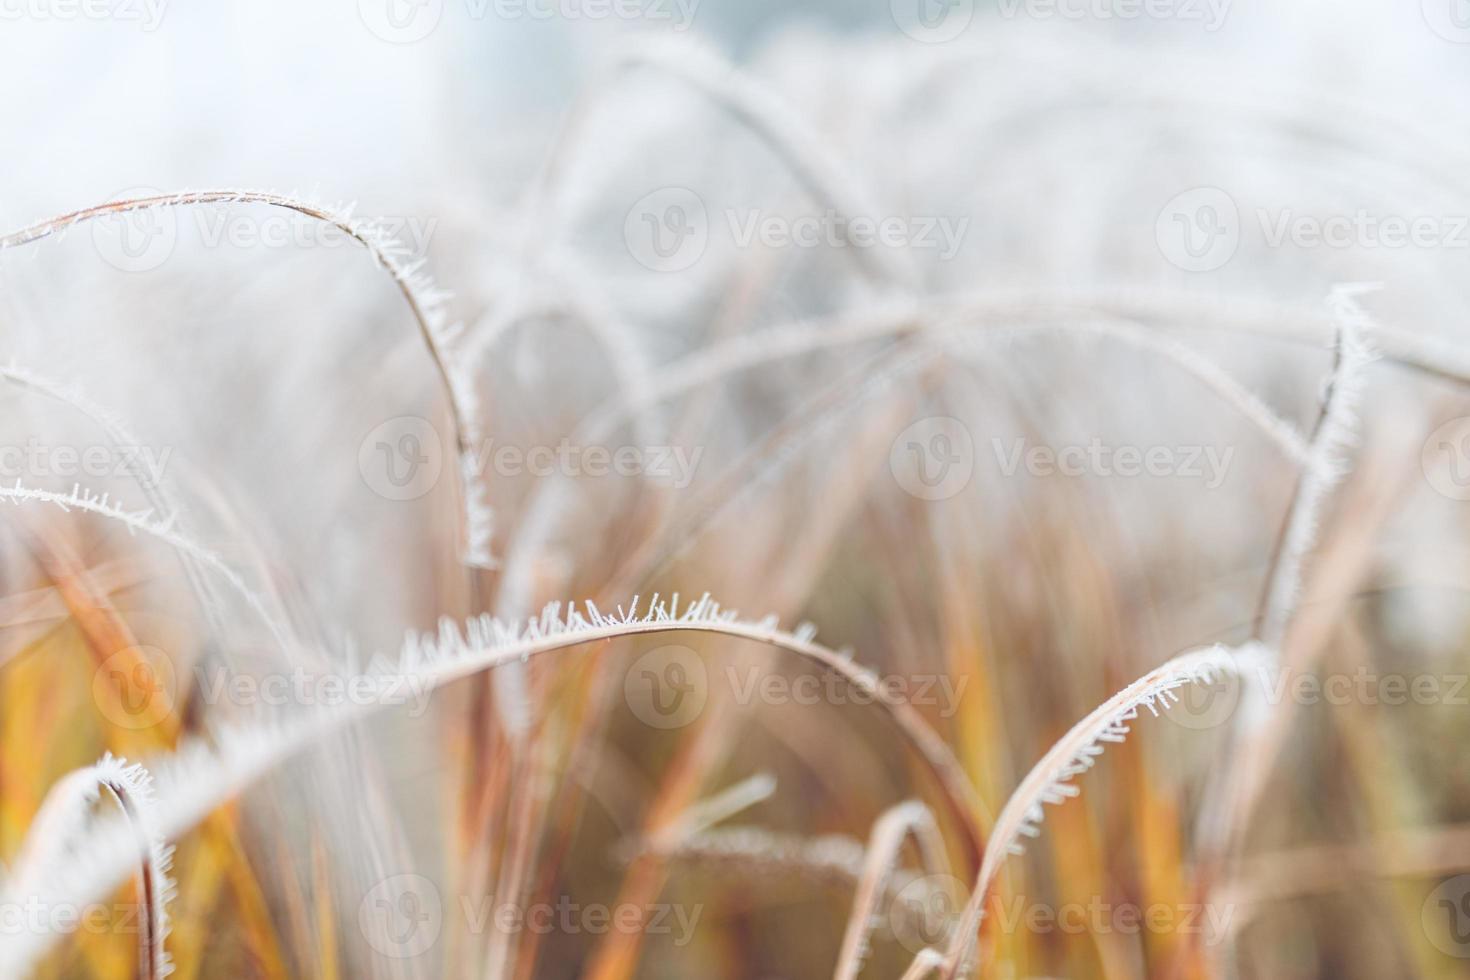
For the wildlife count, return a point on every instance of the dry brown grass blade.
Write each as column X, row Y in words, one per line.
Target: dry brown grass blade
column 616, row 957
column 425, row 302
column 202, row 780
column 884, row 851
column 1048, row 782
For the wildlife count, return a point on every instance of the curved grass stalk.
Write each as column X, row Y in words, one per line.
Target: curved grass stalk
column 757, row 467
column 926, row 962
column 885, row 848
column 164, row 530
column 131, row 787
column 1125, row 309
column 197, row 779
column 1050, row 781
column 725, row 804
column 752, row 469
column 989, row 310
column 583, row 303
column 154, row 489
column 750, row 103
column 754, row 854
column 632, row 374
column 1246, row 772
column 1313, row 327
column 63, row 818
column 834, row 857
column 426, row 301
column 1179, row 308
column 1336, row 432
column 117, row 431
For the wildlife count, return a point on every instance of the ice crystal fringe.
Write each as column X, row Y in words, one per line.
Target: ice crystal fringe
column 164, row 530
column 109, row 421
column 64, row 819
column 197, row 778
column 1050, row 781
column 426, row 301
column 155, row 490
column 1337, row 433
column 187, row 785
